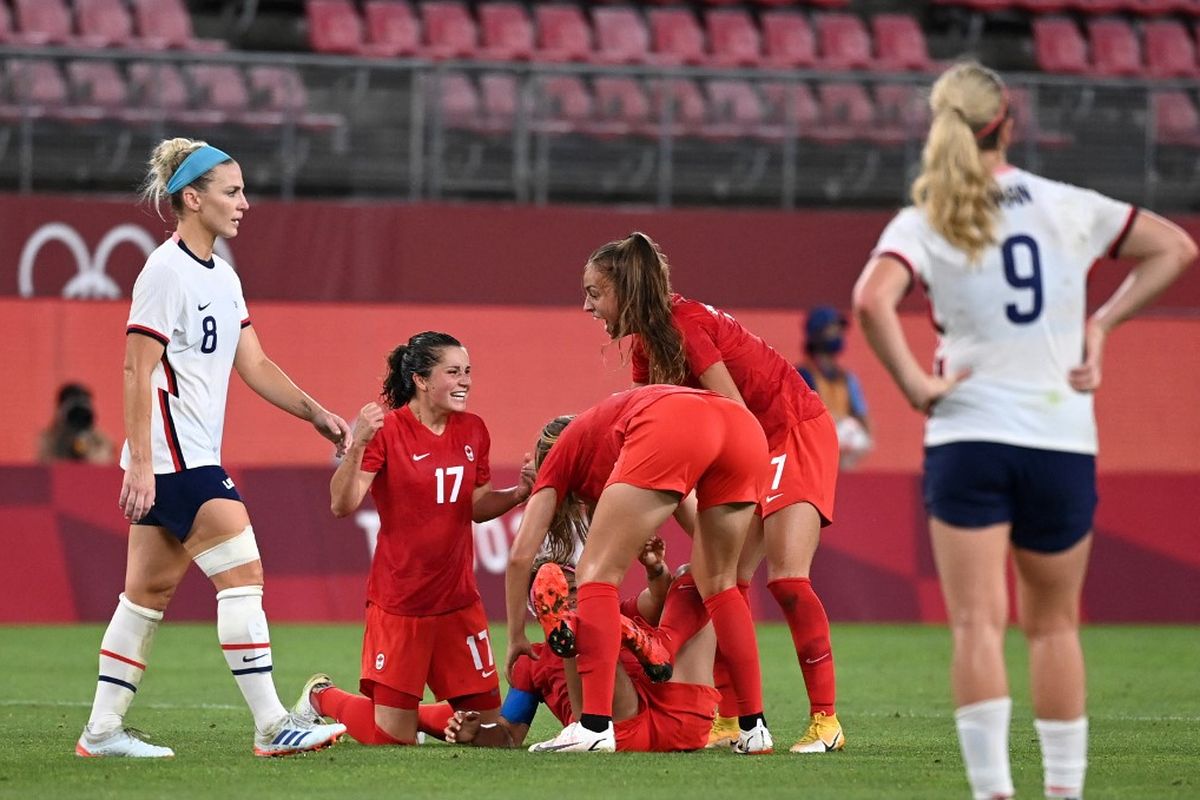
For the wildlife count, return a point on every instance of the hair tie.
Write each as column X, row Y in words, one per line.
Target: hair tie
column 196, row 164
column 996, row 120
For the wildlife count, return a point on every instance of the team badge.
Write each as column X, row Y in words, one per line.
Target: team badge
column 469, row 452
column 379, row 661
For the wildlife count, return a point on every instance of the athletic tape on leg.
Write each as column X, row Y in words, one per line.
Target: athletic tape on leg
column 233, row 552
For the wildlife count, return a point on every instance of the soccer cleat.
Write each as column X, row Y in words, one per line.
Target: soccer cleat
column 123, row 742
column 296, row 734
column 551, row 600
column 304, row 708
column 724, row 733
column 647, row 649
column 824, row 735
column 755, row 742
column 577, row 739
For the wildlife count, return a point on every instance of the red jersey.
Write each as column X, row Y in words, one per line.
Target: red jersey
column 587, row 449
column 423, row 485
column 773, row 390
column 547, row 679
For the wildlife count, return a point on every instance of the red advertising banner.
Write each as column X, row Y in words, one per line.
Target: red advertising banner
column 66, row 550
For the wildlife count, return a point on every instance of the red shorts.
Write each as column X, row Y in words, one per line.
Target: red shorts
column 803, row 468
column 693, row 441
column 671, row 717
column 449, row 652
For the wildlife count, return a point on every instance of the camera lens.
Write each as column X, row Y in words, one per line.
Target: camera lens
column 80, row 416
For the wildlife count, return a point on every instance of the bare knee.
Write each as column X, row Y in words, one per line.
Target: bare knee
column 978, row 625
column 1045, row 625
column 154, row 594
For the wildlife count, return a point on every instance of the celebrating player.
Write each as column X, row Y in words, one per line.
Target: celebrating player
column 1011, row 438
column 188, row 326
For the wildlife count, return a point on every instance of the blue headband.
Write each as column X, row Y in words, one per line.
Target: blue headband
column 196, row 164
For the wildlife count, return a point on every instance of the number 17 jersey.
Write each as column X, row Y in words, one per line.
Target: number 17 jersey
column 423, row 487
column 1015, row 318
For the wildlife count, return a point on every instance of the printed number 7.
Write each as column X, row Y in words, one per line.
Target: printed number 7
column 778, row 461
column 482, row 636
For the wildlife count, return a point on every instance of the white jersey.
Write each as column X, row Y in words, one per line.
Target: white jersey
column 1016, row 318
column 196, row 310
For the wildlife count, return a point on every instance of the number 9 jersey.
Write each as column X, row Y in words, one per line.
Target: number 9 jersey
column 1016, row 317
column 195, row 309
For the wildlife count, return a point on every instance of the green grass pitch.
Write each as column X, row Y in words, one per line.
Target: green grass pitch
column 894, row 704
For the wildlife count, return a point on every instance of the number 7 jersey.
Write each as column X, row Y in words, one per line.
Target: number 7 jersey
column 195, row 309
column 1015, row 318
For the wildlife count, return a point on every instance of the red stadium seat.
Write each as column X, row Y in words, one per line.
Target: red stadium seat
column 845, row 43
column 38, row 89
column 682, row 101
column 168, row 20
column 847, row 113
column 333, row 27
column 159, row 87
column 449, row 30
column 789, row 110
column 1154, row 8
column 621, row 36
column 899, row 43
column 735, row 110
column 281, row 89
column 563, row 34
column 392, row 29
column 1028, row 124
column 458, row 100
column 98, row 83
column 1043, row 6
column 734, row 38
column 46, row 20
column 107, row 23
column 222, row 88
column 1058, row 46
column 1098, row 6
column 676, row 36
column 1115, row 49
column 1176, row 121
column 787, row 40
column 1169, row 50
column 507, row 32
column 901, row 114
column 564, row 106
column 499, row 102
column 621, row 108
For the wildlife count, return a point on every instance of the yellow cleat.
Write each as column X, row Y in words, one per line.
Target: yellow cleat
column 724, row 733
column 824, row 735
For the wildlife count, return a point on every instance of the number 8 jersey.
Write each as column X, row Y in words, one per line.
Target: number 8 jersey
column 1016, row 317
column 195, row 309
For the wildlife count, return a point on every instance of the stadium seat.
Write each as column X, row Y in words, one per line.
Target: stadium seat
column 281, row 89
column 1098, row 6
column 37, row 88
column 564, row 105
column 159, row 87
column 1169, row 50
column 845, row 43
column 107, row 23
column 222, row 88
column 901, row 114
column 735, row 110
column 499, row 102
column 789, row 109
column 676, row 36
column 1115, row 49
column 392, row 29
column 828, row 3
column 682, row 101
column 333, row 27
column 621, row 36
column 449, row 30
column 847, row 113
column 458, row 100
column 1043, row 6
column 1028, row 123
column 1176, row 121
column 899, row 44
column 169, row 20
column 506, row 31
column 787, row 40
column 46, row 20
column 733, row 38
column 1058, row 46
column 621, row 108
column 1154, row 8
column 563, row 33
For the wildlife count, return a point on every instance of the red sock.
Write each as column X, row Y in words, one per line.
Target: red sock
column 727, row 706
column 598, row 642
column 810, row 634
column 357, row 713
column 432, row 719
column 735, row 633
column 683, row 614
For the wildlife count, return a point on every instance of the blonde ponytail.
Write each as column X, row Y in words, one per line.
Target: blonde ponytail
column 164, row 160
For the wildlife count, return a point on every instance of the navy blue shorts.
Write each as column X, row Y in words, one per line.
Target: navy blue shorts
column 1049, row 496
column 179, row 495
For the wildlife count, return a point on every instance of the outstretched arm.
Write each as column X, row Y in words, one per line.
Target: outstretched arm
column 488, row 503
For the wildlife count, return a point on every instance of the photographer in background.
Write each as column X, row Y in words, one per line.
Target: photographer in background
column 824, row 338
column 73, row 435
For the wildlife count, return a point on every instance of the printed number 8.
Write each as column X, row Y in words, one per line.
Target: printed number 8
column 209, row 343
column 1032, row 281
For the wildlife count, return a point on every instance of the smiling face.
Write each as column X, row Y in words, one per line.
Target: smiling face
column 449, row 381
column 219, row 208
column 600, row 298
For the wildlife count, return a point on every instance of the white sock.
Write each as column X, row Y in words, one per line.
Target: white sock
column 246, row 642
column 1064, row 755
column 983, row 737
column 123, row 654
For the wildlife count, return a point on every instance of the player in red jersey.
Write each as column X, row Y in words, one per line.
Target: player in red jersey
column 426, row 464
column 633, row 457
column 675, row 340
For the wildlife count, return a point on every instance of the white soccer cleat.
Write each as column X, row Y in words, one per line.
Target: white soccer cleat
column 296, row 734
column 577, row 739
column 755, row 742
column 122, row 742
column 304, row 708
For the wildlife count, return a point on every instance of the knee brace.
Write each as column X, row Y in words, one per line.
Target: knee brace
column 233, row 552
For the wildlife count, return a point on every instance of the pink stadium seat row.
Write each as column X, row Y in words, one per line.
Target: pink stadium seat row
column 128, row 24
column 1145, row 8
column 1113, row 48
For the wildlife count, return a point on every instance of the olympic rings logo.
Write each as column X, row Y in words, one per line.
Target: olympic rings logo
column 90, row 281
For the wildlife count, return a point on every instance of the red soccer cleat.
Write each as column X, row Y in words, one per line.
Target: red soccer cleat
column 647, row 649
column 550, row 598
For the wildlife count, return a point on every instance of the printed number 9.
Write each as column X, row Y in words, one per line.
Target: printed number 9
column 209, row 343
column 1032, row 281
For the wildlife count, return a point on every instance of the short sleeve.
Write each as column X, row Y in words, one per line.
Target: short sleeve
column 375, row 454
column 483, row 466
column 1108, row 223
column 558, row 468
column 901, row 240
column 243, row 310
column 158, row 303
column 699, row 342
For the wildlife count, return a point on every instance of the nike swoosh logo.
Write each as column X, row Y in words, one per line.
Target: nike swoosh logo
column 206, row 305
column 815, row 660
column 489, row 673
column 419, row 457
column 773, row 497
column 248, row 659
column 550, row 748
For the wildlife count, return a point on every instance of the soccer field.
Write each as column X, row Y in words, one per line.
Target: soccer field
column 894, row 704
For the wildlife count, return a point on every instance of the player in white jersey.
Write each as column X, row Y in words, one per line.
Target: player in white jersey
column 188, row 327
column 1010, row 442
